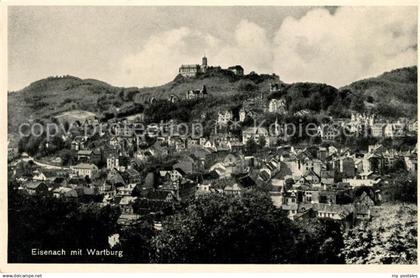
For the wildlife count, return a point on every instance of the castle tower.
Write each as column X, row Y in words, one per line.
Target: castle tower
column 204, row 64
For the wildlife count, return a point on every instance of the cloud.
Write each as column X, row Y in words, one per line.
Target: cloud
column 158, row 60
column 335, row 48
column 250, row 47
column 160, row 57
column 352, row 43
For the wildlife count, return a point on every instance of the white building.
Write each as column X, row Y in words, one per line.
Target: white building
column 224, row 117
column 277, row 106
column 84, row 169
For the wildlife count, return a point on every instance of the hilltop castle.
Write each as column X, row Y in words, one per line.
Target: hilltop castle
column 194, row 70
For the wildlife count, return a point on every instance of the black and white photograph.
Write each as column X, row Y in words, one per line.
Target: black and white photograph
column 200, row 134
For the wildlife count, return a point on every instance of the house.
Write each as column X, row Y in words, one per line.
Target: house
column 289, row 203
column 204, row 188
column 312, row 165
column 373, row 162
column 173, row 176
column 237, row 70
column 36, row 187
column 277, row 106
column 65, row 192
column 242, row 114
column 38, row 176
column 224, row 117
column 377, row 130
column 84, row 169
column 276, row 198
column 84, row 155
column 196, row 94
column 329, row 132
column 165, row 196
column 78, row 143
column 127, row 216
column 269, row 170
column 112, row 162
column 389, row 130
column 363, row 205
column 209, row 145
column 333, row 211
column 255, row 133
column 125, row 190
column 115, row 178
column 363, row 179
column 221, row 170
column 347, row 166
column 327, row 177
column 132, row 175
column 233, row 189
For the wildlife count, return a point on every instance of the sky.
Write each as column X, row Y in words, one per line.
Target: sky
column 144, row 46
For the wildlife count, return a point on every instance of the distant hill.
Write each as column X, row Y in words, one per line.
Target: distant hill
column 390, row 94
column 386, row 95
column 218, row 83
column 54, row 95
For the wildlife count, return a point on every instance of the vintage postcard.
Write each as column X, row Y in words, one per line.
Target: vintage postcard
column 257, row 135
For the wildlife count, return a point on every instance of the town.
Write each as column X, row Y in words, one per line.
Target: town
column 305, row 180
column 155, row 169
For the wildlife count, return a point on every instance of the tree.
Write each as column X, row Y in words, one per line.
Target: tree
column 136, row 242
column 319, row 241
column 49, row 223
column 397, row 166
column 226, row 229
column 390, row 238
column 357, row 104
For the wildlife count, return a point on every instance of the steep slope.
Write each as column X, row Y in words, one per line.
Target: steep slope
column 219, row 83
column 391, row 94
column 54, row 95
